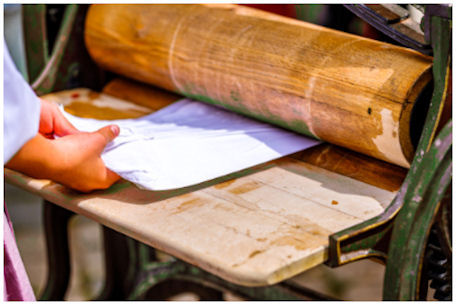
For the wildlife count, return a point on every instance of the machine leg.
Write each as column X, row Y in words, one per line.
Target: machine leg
column 58, row 256
column 117, row 270
column 167, row 289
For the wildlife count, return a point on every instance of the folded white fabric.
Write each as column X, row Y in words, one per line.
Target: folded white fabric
column 190, row 142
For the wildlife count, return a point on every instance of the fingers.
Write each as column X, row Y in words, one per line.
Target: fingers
column 109, row 132
column 63, row 127
column 53, row 122
column 106, row 135
column 99, row 183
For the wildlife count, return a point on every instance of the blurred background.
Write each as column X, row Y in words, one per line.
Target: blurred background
column 357, row 281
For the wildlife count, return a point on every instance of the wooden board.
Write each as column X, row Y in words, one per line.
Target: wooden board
column 256, row 227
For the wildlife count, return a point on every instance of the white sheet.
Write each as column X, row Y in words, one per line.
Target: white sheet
column 190, row 142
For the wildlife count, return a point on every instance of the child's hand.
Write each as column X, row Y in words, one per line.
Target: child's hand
column 81, row 165
column 73, row 160
column 52, row 121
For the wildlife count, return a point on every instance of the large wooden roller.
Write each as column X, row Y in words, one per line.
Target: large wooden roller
column 341, row 88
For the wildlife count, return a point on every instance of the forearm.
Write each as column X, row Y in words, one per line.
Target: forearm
column 38, row 158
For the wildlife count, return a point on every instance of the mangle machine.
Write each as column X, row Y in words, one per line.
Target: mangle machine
column 378, row 187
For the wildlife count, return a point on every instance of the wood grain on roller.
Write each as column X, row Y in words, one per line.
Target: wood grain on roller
column 139, row 93
column 341, row 88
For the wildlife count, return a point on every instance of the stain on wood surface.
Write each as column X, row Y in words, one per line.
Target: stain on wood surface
column 189, row 204
column 245, row 187
column 225, row 184
column 141, row 94
column 255, row 253
column 299, row 243
column 87, row 110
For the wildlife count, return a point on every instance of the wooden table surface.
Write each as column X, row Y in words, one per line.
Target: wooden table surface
column 255, row 227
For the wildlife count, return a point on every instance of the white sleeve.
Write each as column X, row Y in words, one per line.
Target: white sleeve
column 21, row 109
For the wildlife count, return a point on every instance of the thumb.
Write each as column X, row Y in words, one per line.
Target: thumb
column 108, row 133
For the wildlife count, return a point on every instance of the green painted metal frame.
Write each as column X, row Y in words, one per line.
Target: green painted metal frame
column 414, row 221
column 42, row 67
column 58, row 251
column 397, row 236
column 35, row 38
column 403, row 222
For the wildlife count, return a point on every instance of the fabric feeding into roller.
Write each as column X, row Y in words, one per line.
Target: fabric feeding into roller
column 190, row 142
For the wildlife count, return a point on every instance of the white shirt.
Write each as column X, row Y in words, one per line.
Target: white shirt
column 21, row 109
